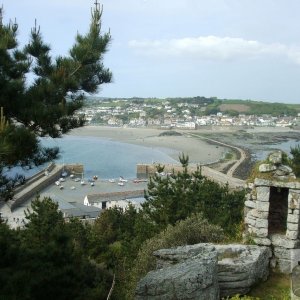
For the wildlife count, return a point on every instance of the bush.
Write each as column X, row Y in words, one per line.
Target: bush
column 193, row 230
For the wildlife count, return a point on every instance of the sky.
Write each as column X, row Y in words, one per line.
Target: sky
column 234, row 49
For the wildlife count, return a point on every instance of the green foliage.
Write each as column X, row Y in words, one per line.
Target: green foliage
column 115, row 241
column 175, row 197
column 277, row 287
column 46, row 261
column 45, row 106
column 193, row 230
column 295, row 161
column 260, row 108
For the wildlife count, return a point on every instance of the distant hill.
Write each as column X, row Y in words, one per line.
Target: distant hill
column 250, row 107
column 209, row 105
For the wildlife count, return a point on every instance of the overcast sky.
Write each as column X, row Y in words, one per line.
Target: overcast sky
column 238, row 49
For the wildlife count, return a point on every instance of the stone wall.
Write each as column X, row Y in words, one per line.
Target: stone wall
column 270, row 222
column 35, row 188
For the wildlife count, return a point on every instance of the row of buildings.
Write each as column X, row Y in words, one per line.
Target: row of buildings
column 178, row 115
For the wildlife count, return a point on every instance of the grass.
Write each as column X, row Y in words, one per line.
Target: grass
column 267, row 175
column 276, row 287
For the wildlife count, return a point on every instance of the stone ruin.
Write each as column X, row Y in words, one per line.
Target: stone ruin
column 207, row 271
column 272, row 211
column 204, row 271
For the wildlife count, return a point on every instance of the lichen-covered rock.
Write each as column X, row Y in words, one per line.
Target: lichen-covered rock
column 205, row 271
column 264, row 168
column 240, row 267
column 279, row 240
column 275, row 157
column 188, row 272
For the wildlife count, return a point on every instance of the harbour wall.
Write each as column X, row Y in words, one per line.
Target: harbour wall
column 35, row 184
column 115, row 196
column 147, row 170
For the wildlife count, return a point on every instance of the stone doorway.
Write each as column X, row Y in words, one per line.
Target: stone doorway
column 278, row 211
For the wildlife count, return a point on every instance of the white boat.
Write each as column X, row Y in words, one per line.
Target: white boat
column 72, row 176
column 121, row 179
column 121, row 183
column 77, row 179
column 73, row 188
column 82, row 182
column 62, row 179
column 61, row 187
column 57, row 183
column 92, row 183
column 64, row 174
column 111, row 180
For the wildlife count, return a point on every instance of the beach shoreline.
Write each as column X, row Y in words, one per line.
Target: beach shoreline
column 199, row 151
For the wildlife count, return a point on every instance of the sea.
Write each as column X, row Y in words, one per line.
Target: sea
column 100, row 156
column 262, row 152
column 111, row 159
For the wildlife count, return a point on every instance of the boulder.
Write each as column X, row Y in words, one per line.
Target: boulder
column 205, row 271
column 275, row 157
column 188, row 272
column 240, row 267
column 264, row 168
column 285, row 169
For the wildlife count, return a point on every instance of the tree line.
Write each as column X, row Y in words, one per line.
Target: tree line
column 54, row 259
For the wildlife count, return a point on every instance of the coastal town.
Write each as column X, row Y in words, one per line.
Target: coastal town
column 182, row 114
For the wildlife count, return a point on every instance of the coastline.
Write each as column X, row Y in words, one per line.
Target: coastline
column 199, row 151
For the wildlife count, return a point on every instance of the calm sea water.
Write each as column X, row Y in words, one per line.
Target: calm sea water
column 262, row 154
column 102, row 157
column 111, row 159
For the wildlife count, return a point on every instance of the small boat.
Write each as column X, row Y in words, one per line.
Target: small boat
column 62, row 179
column 72, row 176
column 73, row 188
column 95, row 177
column 61, row 187
column 92, row 183
column 111, row 180
column 121, row 183
column 82, row 182
column 77, row 179
column 64, row 174
column 57, row 183
column 121, row 179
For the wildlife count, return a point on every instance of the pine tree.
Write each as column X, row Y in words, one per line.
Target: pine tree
column 176, row 197
column 295, row 160
column 47, row 105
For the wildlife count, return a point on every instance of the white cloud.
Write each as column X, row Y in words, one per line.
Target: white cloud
column 214, row 48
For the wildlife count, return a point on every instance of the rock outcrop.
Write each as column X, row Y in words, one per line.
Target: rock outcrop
column 188, row 272
column 276, row 168
column 240, row 267
column 205, row 271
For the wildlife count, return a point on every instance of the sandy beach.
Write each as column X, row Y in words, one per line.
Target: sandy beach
column 199, row 151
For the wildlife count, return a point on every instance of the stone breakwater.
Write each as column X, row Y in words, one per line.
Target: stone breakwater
column 35, row 184
column 147, row 170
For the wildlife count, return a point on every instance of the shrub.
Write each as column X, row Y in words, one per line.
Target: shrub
column 193, row 230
